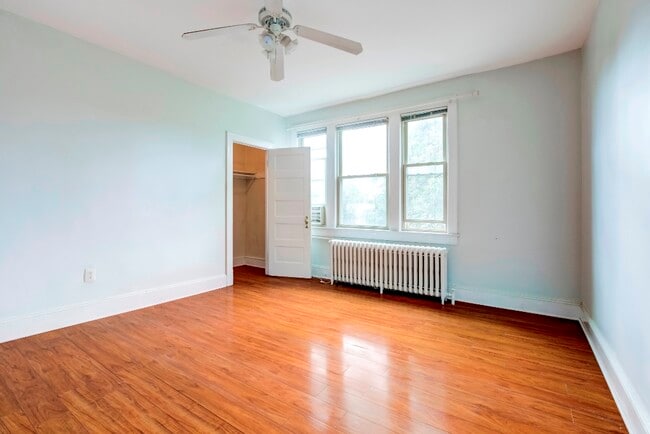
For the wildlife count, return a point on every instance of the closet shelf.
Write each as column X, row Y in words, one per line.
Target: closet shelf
column 245, row 175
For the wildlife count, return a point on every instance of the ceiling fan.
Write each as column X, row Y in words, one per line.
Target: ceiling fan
column 277, row 36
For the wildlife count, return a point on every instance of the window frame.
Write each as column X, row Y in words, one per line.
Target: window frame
column 405, row 166
column 395, row 232
column 339, row 164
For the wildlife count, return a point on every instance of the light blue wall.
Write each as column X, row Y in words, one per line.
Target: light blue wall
column 110, row 163
column 616, row 186
column 519, row 176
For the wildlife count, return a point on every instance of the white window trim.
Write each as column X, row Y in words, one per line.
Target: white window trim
column 394, row 232
column 404, row 167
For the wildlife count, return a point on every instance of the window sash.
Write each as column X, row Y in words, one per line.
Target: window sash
column 339, row 178
column 444, row 189
column 406, row 119
column 359, row 125
column 405, row 144
column 340, row 208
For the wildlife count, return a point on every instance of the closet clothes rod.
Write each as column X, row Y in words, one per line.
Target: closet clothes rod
column 246, row 175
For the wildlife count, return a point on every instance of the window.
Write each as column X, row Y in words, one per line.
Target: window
column 424, row 171
column 363, row 174
column 316, row 140
column 391, row 176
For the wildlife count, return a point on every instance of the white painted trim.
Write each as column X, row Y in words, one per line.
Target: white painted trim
column 26, row 325
column 384, row 235
column 635, row 415
column 330, row 178
column 395, row 181
column 453, row 155
column 560, row 308
column 238, row 261
column 394, row 178
column 275, row 241
column 231, row 139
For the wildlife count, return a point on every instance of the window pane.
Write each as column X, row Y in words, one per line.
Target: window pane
column 318, row 192
column 363, row 201
column 318, row 170
column 317, row 143
column 318, row 153
column 364, row 150
column 425, row 193
column 425, row 139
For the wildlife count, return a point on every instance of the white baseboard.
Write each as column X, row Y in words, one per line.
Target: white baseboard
column 560, row 308
column 320, row 272
column 635, row 414
column 569, row 309
column 251, row 261
column 40, row 322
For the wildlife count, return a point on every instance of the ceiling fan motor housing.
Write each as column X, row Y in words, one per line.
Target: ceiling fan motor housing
column 275, row 23
column 278, row 38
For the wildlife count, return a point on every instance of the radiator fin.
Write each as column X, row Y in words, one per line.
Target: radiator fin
column 414, row 269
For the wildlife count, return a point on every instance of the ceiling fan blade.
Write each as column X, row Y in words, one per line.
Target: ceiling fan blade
column 277, row 63
column 328, row 39
column 220, row 31
column 274, row 7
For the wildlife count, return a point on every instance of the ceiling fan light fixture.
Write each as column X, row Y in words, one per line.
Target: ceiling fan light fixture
column 289, row 41
column 267, row 41
column 278, row 37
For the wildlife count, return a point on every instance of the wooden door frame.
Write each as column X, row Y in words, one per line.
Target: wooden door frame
column 231, row 139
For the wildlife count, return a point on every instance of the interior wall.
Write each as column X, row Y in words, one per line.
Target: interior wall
column 109, row 163
column 616, row 186
column 239, row 204
column 519, row 177
column 249, row 206
column 256, row 207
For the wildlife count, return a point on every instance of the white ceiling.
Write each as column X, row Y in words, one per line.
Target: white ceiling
column 406, row 42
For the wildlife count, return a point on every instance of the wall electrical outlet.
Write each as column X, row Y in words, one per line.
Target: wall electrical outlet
column 90, row 275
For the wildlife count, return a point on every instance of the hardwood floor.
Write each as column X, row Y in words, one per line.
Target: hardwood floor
column 282, row 355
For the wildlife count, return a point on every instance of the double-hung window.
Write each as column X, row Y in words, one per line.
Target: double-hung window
column 391, row 177
column 424, row 171
column 362, row 179
column 316, row 140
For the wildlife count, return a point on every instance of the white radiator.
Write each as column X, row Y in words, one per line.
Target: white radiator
column 415, row 269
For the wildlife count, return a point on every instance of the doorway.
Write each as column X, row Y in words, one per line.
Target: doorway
column 249, row 206
column 287, row 208
column 231, row 140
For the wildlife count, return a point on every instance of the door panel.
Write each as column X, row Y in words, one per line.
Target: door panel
column 288, row 210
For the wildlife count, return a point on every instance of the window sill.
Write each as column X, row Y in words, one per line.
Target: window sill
column 385, row 235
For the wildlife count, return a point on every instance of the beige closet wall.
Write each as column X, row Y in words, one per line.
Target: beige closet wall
column 239, row 224
column 249, row 202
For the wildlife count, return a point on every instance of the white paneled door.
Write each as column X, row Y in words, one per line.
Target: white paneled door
column 288, row 213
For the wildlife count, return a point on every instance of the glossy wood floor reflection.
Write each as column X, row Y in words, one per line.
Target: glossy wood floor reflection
column 281, row 355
